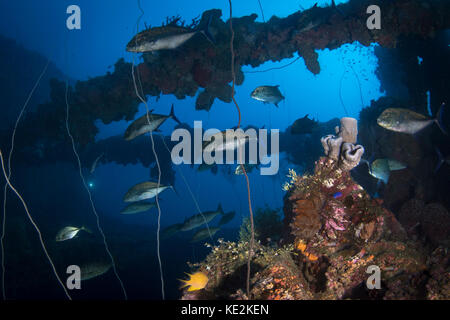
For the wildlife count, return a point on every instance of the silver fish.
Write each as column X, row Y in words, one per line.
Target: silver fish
column 69, row 232
column 142, row 125
column 171, row 230
column 204, row 233
column 200, row 219
column 94, row 269
column 248, row 168
column 166, row 37
column 227, row 217
column 223, row 141
column 381, row 168
column 143, row 191
column 267, row 94
column 137, row 207
column 407, row 121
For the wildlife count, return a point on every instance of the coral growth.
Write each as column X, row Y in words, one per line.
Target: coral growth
column 342, row 147
column 333, row 231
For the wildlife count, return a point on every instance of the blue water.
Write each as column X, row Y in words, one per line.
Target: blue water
column 347, row 73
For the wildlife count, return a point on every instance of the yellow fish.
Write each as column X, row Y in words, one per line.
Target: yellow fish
column 197, row 281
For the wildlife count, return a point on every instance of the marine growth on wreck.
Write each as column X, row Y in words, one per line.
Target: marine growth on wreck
column 226, row 151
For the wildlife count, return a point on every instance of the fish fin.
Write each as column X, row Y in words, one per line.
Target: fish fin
column 439, row 119
column 86, row 229
column 219, row 208
column 277, row 86
column 214, row 169
column 366, row 162
column 175, row 190
column 440, row 160
column 276, row 105
column 207, row 33
column 172, row 115
column 185, row 284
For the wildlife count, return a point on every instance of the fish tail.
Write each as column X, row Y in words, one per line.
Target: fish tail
column 440, row 160
column 207, row 33
column 185, row 283
column 172, row 115
column 439, row 119
column 366, row 162
column 86, row 229
column 174, row 190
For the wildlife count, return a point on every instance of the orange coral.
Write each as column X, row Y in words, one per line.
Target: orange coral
column 301, row 245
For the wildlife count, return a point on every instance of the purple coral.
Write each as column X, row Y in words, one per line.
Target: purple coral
column 335, row 219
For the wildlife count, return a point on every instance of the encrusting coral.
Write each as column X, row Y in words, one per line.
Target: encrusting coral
column 333, row 231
